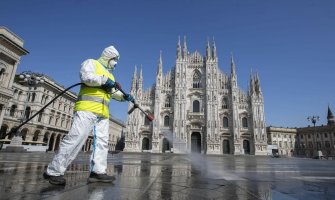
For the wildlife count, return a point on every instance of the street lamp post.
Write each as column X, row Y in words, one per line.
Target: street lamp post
column 31, row 79
column 314, row 119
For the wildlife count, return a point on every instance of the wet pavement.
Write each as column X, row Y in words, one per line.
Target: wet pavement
column 171, row 176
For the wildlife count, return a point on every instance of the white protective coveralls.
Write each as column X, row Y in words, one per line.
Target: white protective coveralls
column 84, row 122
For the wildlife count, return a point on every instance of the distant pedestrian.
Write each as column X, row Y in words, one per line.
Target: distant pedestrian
column 320, row 155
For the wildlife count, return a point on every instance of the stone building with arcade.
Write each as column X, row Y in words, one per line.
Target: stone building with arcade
column 305, row 141
column 50, row 126
column 11, row 50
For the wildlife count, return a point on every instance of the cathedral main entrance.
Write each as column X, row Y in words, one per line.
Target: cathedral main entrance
column 246, row 146
column 226, row 147
column 195, row 142
column 145, row 143
column 166, row 145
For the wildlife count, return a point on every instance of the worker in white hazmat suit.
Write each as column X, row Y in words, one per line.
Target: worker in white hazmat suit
column 92, row 115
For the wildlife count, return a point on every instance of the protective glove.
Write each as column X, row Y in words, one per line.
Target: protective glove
column 118, row 86
column 109, row 84
column 128, row 97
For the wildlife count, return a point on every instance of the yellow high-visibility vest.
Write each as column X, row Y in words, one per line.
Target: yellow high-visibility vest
column 95, row 99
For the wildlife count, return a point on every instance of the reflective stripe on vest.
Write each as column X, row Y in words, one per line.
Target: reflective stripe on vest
column 95, row 99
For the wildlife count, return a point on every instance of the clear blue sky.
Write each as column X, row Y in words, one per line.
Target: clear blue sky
column 291, row 44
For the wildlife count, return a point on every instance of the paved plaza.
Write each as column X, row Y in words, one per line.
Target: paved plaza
column 171, row 176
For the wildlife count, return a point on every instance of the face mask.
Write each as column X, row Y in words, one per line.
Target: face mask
column 111, row 64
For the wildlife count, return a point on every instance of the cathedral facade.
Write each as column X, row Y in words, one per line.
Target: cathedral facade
column 198, row 109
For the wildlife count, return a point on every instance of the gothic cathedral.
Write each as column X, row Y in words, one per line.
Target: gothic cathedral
column 197, row 109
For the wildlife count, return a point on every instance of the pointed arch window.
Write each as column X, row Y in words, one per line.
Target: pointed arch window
column 166, row 121
column 244, row 122
column 146, row 121
column 168, row 102
column 196, row 79
column 225, row 103
column 225, row 122
column 196, row 106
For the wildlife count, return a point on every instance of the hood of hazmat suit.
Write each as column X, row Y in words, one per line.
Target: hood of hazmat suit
column 109, row 57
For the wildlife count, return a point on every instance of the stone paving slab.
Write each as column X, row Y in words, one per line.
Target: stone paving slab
column 171, row 176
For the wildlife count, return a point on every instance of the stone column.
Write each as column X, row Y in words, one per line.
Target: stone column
column 54, row 143
column 2, row 113
column 13, row 74
column 40, row 138
column 29, row 136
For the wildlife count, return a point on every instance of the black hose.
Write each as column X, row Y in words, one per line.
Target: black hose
column 17, row 128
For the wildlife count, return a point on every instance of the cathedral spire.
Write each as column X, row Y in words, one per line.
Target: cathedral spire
column 134, row 81
column 160, row 64
column 140, row 80
column 213, row 49
column 257, row 84
column 259, row 90
column 178, row 49
column 330, row 117
column 251, row 85
column 208, row 53
column 232, row 64
column 232, row 73
column 184, row 48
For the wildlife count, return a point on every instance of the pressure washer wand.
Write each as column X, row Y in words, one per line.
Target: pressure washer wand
column 149, row 116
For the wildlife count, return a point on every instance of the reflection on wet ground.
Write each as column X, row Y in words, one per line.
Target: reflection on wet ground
column 170, row 176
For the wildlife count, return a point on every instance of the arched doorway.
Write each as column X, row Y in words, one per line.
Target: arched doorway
column 35, row 137
column 12, row 133
column 226, row 147
column 166, row 145
column 46, row 139
column 24, row 134
column 196, row 142
column 51, row 142
column 3, row 131
column 58, row 142
column 145, row 143
column 246, row 146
